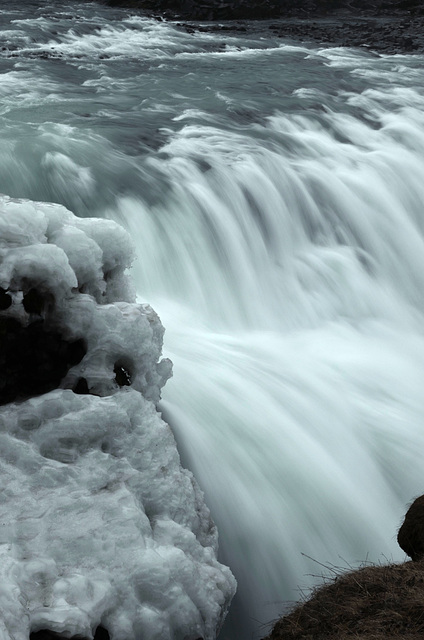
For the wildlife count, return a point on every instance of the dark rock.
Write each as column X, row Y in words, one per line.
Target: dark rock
column 33, row 358
column 75, row 351
column 33, row 302
column 81, row 387
column 411, row 533
column 101, row 633
column 408, row 44
column 122, row 375
column 5, row 300
column 45, row 634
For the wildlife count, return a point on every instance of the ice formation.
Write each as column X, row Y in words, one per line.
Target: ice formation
column 100, row 524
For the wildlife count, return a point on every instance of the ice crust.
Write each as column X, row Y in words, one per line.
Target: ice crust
column 99, row 523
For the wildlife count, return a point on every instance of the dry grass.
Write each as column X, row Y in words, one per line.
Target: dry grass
column 371, row 603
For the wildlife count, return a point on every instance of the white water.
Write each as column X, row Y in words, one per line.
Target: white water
column 275, row 195
column 299, row 352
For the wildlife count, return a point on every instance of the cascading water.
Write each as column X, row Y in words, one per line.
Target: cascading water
column 275, row 196
column 300, row 346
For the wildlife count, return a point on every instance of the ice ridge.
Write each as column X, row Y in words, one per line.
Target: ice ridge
column 100, row 524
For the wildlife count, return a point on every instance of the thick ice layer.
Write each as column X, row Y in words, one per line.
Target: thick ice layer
column 99, row 523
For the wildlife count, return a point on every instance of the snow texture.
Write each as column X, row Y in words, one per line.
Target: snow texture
column 99, row 523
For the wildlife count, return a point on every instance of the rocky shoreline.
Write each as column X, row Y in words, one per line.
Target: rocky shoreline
column 402, row 34
column 384, row 27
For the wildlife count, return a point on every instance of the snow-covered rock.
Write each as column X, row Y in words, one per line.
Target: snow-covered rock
column 99, row 523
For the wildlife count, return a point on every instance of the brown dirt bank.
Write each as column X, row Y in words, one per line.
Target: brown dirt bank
column 380, row 25
column 372, row 603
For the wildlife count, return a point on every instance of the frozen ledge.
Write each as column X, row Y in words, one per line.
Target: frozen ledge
column 100, row 526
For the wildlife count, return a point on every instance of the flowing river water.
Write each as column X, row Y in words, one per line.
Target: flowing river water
column 275, row 194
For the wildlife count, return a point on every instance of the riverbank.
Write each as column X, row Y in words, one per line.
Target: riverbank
column 373, row 602
column 376, row 602
column 384, row 27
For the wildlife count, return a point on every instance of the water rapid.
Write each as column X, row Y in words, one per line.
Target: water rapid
column 275, row 196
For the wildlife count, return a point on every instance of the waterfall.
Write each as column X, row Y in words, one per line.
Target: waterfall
column 290, row 276
column 274, row 193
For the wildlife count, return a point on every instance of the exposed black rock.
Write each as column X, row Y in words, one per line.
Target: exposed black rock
column 5, row 299
column 122, row 375
column 34, row 301
column 75, row 351
column 45, row 634
column 101, row 633
column 411, row 533
column 33, row 358
column 81, row 387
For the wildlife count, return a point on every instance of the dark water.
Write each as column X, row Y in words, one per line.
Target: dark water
column 274, row 192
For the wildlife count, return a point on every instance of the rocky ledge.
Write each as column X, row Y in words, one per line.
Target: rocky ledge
column 384, row 26
column 371, row 603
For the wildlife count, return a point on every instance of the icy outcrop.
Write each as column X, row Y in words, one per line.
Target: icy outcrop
column 99, row 522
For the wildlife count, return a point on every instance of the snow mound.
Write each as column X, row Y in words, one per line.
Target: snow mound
column 99, row 523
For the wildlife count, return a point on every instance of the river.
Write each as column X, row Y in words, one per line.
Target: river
column 274, row 191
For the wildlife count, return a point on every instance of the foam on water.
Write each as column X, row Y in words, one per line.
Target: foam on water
column 131, row 38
